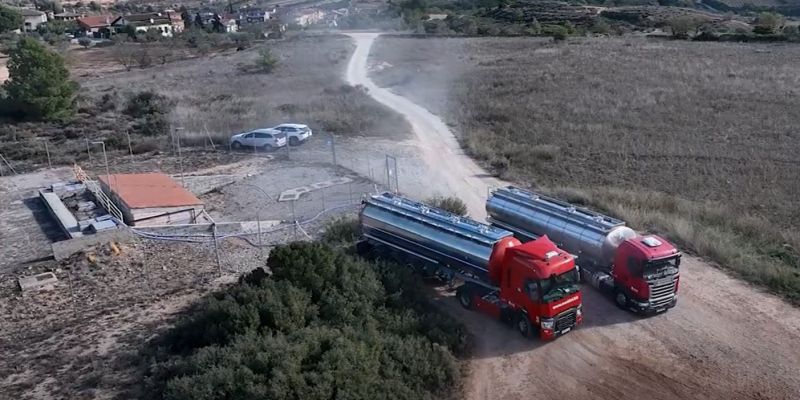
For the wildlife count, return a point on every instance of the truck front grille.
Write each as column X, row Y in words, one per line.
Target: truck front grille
column 566, row 320
column 662, row 291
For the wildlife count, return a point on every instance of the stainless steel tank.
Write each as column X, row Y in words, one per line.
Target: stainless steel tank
column 591, row 236
column 431, row 234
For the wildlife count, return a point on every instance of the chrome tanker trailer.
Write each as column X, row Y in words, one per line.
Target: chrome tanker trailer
column 532, row 285
column 640, row 271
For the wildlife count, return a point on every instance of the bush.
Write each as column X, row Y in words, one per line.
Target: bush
column 682, row 26
column 325, row 325
column 152, row 125
column 768, row 23
column 266, row 62
column 147, row 103
column 85, row 42
column 451, row 204
column 342, row 230
column 39, row 85
column 150, row 110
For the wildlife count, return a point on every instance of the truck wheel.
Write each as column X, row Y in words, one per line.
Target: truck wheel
column 523, row 325
column 621, row 299
column 464, row 297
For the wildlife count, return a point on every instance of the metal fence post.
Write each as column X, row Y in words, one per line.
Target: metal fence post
column 258, row 221
column 130, row 148
column 294, row 221
column 333, row 148
column 47, row 150
column 216, row 248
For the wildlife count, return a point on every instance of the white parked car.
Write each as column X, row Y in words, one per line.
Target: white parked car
column 264, row 139
column 297, row 133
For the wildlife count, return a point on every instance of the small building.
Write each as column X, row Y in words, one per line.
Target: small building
column 151, row 199
column 32, row 19
column 165, row 23
column 96, row 26
column 308, row 17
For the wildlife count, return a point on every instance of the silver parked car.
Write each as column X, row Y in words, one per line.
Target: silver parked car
column 297, row 133
column 264, row 139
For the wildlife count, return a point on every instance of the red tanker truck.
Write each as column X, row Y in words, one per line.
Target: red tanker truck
column 533, row 286
column 641, row 272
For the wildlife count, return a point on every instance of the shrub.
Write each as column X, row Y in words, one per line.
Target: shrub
column 265, row 62
column 39, row 85
column 342, row 230
column 85, row 42
column 152, row 125
column 451, row 204
column 146, row 103
column 323, row 325
column 682, row 26
column 768, row 23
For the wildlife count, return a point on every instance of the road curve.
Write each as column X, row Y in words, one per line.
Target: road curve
column 724, row 340
column 450, row 169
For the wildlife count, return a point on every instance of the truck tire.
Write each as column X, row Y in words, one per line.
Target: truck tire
column 464, row 297
column 621, row 299
column 523, row 325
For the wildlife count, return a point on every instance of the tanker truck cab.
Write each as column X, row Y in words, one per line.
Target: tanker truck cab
column 646, row 274
column 538, row 289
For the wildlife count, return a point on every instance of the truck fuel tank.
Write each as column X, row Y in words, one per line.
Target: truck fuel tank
column 591, row 236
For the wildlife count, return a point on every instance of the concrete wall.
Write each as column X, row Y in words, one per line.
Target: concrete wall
column 66, row 248
column 183, row 215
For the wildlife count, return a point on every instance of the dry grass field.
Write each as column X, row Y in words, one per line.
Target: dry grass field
column 212, row 93
column 696, row 140
column 213, row 96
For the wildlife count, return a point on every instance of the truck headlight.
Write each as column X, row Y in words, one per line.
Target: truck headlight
column 547, row 323
column 580, row 310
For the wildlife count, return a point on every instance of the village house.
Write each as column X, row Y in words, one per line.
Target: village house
column 308, row 17
column 95, row 26
column 66, row 16
column 32, row 19
column 166, row 23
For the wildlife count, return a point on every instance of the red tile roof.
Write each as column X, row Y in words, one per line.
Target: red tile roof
column 96, row 21
column 149, row 190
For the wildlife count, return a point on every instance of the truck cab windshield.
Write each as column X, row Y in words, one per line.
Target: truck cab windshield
column 661, row 268
column 559, row 286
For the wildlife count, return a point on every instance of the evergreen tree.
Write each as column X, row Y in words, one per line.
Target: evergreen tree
column 39, row 85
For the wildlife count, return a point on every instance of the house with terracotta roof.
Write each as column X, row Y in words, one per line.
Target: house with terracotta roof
column 151, row 199
column 97, row 26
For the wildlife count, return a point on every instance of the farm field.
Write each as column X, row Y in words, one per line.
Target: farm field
column 695, row 140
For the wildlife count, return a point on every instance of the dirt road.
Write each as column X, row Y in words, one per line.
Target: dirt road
column 724, row 340
column 447, row 164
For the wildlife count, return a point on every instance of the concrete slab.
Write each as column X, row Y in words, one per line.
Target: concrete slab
column 60, row 212
column 43, row 281
column 295, row 193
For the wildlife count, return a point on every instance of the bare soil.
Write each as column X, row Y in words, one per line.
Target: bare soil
column 724, row 340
